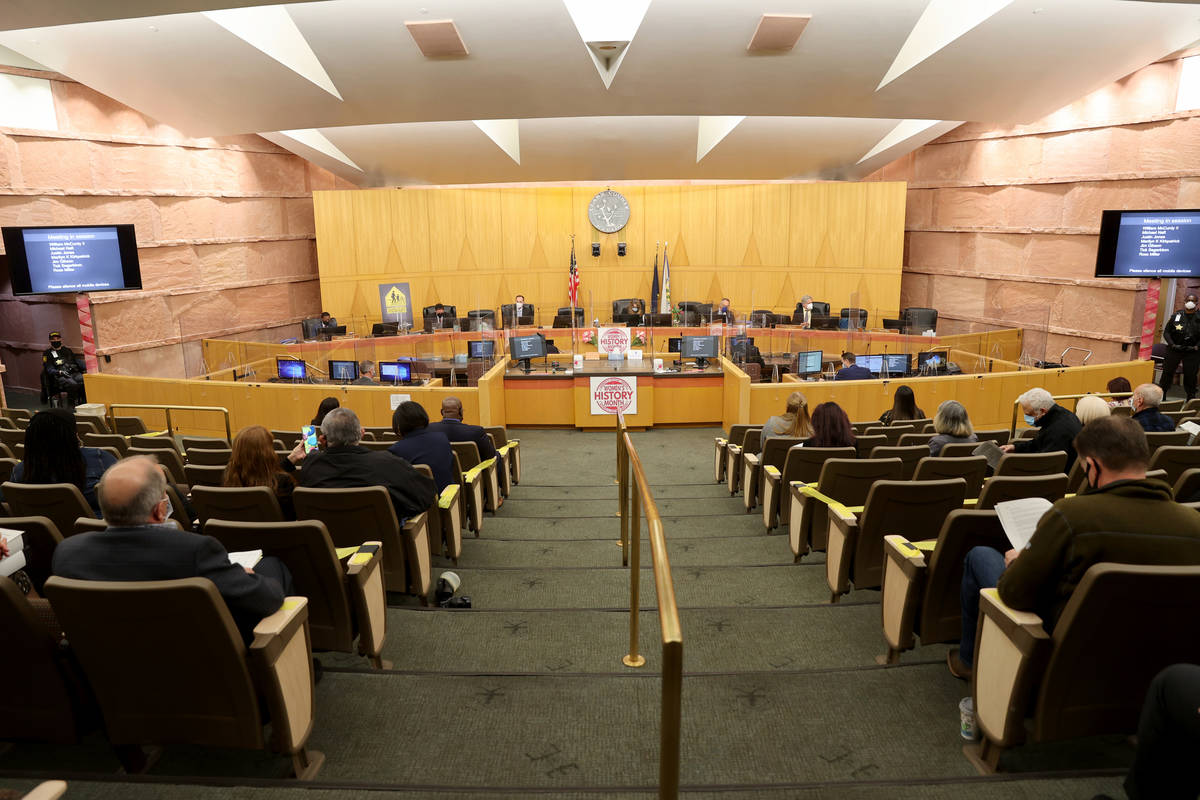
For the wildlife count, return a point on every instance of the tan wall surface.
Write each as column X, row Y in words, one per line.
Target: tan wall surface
column 224, row 227
column 1002, row 222
column 761, row 245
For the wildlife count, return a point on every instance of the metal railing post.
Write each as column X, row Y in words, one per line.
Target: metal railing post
column 635, row 578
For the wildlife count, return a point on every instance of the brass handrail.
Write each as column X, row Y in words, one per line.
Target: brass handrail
column 112, row 414
column 1012, row 431
column 635, row 497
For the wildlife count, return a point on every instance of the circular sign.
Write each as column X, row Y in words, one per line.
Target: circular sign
column 614, row 340
column 613, row 395
column 608, row 211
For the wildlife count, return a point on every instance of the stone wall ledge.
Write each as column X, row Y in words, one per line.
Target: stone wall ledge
column 1001, row 229
column 100, row 298
column 1049, row 129
column 1118, row 284
column 145, row 141
column 1148, row 175
column 216, row 333
column 1005, row 323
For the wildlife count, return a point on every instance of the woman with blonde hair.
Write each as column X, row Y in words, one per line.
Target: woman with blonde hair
column 1091, row 407
column 950, row 424
column 254, row 462
column 795, row 421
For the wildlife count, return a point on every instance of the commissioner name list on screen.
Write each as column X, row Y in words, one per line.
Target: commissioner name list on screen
column 1158, row 244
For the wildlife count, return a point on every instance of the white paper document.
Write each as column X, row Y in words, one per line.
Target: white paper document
column 1192, row 428
column 1020, row 518
column 246, row 558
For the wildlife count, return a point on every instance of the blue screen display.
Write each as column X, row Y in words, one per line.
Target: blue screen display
column 73, row 259
column 1147, row 244
column 292, row 370
column 395, row 371
column 343, row 370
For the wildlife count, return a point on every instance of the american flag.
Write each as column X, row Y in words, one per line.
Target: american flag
column 573, row 280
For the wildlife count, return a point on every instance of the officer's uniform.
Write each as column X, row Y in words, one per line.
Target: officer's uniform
column 1182, row 337
column 62, row 373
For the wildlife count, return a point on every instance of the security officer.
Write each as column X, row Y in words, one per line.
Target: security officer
column 61, row 370
column 1182, row 337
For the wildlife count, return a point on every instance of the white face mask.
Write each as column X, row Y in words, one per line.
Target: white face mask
column 1189, row 305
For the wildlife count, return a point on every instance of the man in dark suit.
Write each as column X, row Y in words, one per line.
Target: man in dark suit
column 419, row 445
column 851, row 371
column 457, row 431
column 142, row 544
column 342, row 463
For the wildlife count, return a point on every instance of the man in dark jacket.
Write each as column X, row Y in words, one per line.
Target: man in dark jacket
column 419, row 445
column 1182, row 338
column 143, row 544
column 62, row 370
column 458, row 431
column 851, row 371
column 1125, row 519
column 1145, row 402
column 342, row 463
column 1056, row 426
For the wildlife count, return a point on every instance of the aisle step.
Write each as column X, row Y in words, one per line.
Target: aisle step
column 726, row 551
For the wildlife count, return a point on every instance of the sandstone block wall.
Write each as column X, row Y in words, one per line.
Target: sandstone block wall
column 225, row 234
column 1002, row 222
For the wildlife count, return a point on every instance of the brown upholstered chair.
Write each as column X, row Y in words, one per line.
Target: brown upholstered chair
column 16, row 414
column 347, row 513
column 468, row 456
column 41, row 537
column 152, row 442
column 802, row 465
column 198, row 475
column 910, row 456
column 1125, row 621
column 737, row 436
column 203, row 443
column 958, row 450
column 860, row 428
column 1011, row 487
column 168, row 457
column 114, row 440
column 1000, row 437
column 1018, row 464
column 130, row 426
column 60, row 502
column 1176, row 460
column 160, row 681
column 11, row 437
column 909, row 439
column 86, row 423
column 237, row 504
column 376, row 445
column 46, row 699
column 513, row 453
column 1187, row 485
column 289, row 438
column 345, row 601
column 5, row 422
column 381, row 433
column 1026, row 433
column 973, row 470
column 446, row 519
column 205, row 457
column 7, row 465
column 1076, row 477
column 863, row 445
column 855, row 549
column 922, row 587
column 774, row 453
column 503, row 473
column 1170, row 405
column 751, row 443
column 470, row 486
column 892, row 433
column 6, row 451
column 844, row 481
column 1157, row 439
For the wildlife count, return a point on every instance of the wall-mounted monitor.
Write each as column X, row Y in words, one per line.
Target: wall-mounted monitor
column 291, row 370
column 343, row 370
column 75, row 258
column 395, row 372
column 1149, row 244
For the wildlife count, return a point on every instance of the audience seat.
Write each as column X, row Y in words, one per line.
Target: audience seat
column 347, row 513
column 863, row 445
column 910, row 456
column 1175, row 460
column 892, row 432
column 209, row 458
column 1018, row 464
column 114, row 440
column 11, row 437
column 1016, row 487
column 380, row 433
column 168, row 666
column 1170, row 405
column 737, row 436
column 445, row 519
column 289, row 438
column 958, row 450
column 1187, row 486
column 512, row 454
column 470, row 486
column 7, row 465
column 86, row 423
column 909, row 439
column 751, row 443
column 1126, row 622
column 41, row 538
column 803, row 465
column 378, row 446
column 236, row 504
column 1000, row 437
column 922, row 582
column 150, row 442
column 61, row 503
column 203, row 443
column 199, row 475
column 468, row 456
column 972, row 469
column 845, row 481
column 773, row 455
column 129, row 426
column 855, row 549
column 168, row 457
column 346, row 601
column 860, row 428
column 1157, row 439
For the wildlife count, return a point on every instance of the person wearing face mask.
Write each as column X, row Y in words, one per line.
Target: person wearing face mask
column 61, row 370
column 1056, row 426
column 1182, row 338
column 1121, row 516
column 724, row 312
column 1145, row 400
column 805, row 309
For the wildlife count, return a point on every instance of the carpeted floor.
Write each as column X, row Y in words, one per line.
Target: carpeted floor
column 526, row 695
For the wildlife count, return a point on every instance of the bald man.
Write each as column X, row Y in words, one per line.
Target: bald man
column 457, row 431
column 143, row 544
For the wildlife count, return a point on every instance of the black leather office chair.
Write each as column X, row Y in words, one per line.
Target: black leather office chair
column 508, row 313
column 694, row 313
column 918, row 320
column 853, row 318
column 308, row 327
column 762, row 318
column 565, row 313
column 621, row 307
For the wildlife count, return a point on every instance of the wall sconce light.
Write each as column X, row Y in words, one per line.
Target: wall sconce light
column 621, row 249
column 595, row 249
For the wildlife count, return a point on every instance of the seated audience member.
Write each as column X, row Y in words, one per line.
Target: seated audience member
column 1056, row 426
column 1121, row 517
column 419, row 445
column 1091, row 407
column 794, row 421
column 366, row 374
column 53, row 455
column 327, row 405
column 950, row 424
column 850, row 370
column 254, row 462
column 457, row 431
column 142, row 544
column 342, row 463
column 831, row 427
column 1119, row 385
column 904, row 406
column 1168, row 737
column 1145, row 402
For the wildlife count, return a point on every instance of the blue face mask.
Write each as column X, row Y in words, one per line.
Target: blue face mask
column 1030, row 419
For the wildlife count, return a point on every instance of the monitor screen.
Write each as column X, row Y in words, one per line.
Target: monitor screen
column 698, row 346
column 673, row 344
column 934, row 360
column 873, row 363
column 290, row 369
column 897, row 363
column 395, row 372
column 484, row 348
column 78, row 258
column 343, row 370
column 527, row 347
column 1149, row 244
column 740, row 341
column 809, row 362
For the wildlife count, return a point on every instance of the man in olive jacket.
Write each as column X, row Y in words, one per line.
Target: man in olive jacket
column 1121, row 517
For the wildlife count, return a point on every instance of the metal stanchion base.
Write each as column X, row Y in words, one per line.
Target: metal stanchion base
column 633, row 661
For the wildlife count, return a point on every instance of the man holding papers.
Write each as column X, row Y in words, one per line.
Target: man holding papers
column 1120, row 517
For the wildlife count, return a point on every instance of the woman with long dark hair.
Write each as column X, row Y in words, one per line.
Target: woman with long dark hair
column 53, row 455
column 327, row 405
column 1119, row 385
column 904, row 406
column 254, row 462
column 831, row 427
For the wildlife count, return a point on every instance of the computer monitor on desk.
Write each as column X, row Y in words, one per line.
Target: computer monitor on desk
column 291, row 369
column 524, row 348
column 385, row 328
column 809, row 362
column 700, row 348
column 343, row 371
column 931, row 362
column 395, row 372
column 325, row 334
column 871, row 362
column 483, row 348
column 897, row 364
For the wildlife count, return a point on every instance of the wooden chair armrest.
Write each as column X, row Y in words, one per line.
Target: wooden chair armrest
column 751, row 459
column 908, row 557
column 449, row 496
column 48, row 790
column 369, row 597
column 841, row 516
column 1011, row 652
column 416, row 529
column 734, row 448
column 282, row 624
column 473, row 476
column 361, row 561
column 281, row 661
column 1024, row 628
